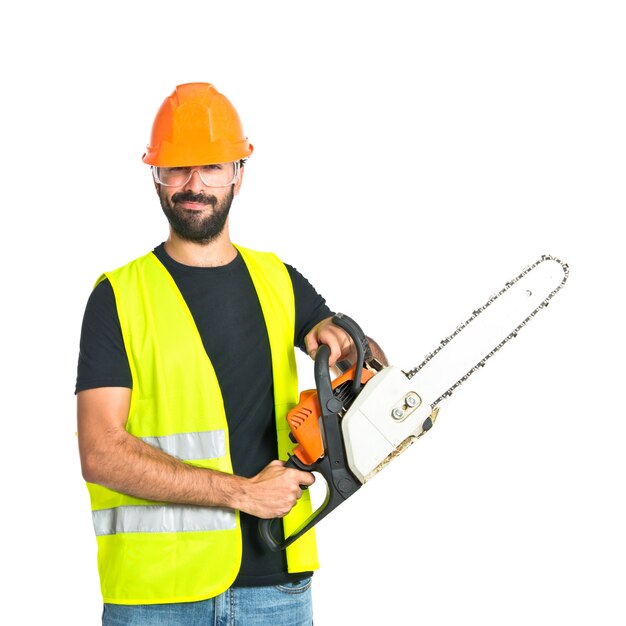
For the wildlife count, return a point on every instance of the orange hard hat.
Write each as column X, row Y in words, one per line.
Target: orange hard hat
column 196, row 125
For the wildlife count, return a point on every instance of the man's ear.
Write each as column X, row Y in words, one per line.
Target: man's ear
column 239, row 181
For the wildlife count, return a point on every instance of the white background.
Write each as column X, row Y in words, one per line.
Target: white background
column 409, row 159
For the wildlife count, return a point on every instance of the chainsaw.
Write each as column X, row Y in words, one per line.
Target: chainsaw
column 350, row 428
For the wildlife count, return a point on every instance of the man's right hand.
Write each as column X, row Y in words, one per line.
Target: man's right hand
column 274, row 491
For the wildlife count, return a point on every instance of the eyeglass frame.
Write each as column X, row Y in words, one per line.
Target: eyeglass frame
column 237, row 165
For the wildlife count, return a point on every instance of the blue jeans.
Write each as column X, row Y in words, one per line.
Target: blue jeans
column 281, row 605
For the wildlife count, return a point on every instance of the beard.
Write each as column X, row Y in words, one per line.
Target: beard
column 191, row 225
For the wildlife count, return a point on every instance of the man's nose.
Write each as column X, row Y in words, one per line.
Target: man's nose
column 195, row 183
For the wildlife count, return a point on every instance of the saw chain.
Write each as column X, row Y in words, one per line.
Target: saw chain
column 461, row 327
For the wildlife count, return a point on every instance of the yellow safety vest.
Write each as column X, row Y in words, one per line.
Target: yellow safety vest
column 153, row 552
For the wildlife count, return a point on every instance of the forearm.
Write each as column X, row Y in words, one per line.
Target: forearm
column 133, row 467
column 113, row 458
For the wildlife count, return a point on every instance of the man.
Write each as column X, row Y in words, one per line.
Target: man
column 185, row 375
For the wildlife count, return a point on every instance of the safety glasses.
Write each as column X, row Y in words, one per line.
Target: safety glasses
column 214, row 175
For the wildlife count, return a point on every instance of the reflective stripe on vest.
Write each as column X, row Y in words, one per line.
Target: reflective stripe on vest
column 162, row 519
column 152, row 552
column 210, row 444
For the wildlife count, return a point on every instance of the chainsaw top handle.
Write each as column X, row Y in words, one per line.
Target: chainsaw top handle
column 363, row 350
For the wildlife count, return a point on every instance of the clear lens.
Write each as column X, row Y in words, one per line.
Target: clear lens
column 215, row 175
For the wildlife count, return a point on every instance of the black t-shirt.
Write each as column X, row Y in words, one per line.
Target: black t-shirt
column 227, row 312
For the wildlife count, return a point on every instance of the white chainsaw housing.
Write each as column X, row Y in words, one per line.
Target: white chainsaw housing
column 381, row 421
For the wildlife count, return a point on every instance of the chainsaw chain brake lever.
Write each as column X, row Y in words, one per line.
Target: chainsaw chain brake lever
column 333, row 466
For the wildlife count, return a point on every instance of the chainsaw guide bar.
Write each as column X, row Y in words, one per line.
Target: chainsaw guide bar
column 527, row 293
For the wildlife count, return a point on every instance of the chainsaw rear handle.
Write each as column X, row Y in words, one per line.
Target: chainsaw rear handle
column 340, row 482
column 272, row 529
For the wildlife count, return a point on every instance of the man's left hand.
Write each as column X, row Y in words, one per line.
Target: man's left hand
column 337, row 339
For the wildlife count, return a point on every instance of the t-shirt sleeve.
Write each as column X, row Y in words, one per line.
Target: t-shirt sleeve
column 311, row 307
column 102, row 360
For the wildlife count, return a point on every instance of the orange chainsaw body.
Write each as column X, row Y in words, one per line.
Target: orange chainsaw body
column 304, row 418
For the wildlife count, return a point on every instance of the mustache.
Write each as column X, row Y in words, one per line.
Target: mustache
column 189, row 196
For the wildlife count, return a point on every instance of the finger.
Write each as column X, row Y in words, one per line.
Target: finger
column 335, row 354
column 332, row 342
column 339, row 343
column 306, row 478
column 311, row 344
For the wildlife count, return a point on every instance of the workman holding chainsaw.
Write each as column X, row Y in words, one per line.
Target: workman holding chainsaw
column 185, row 375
